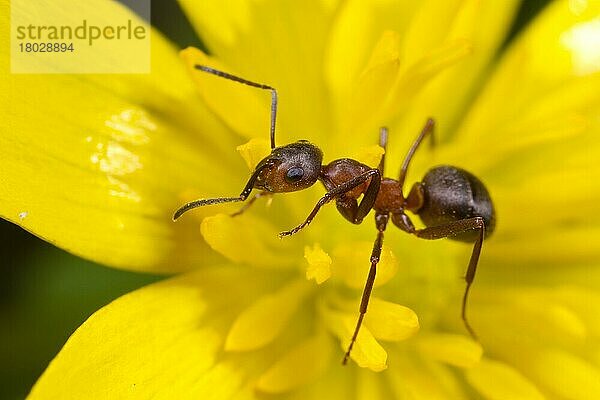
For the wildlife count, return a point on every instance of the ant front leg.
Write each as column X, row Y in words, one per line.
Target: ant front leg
column 352, row 210
column 365, row 205
column 448, row 230
column 456, row 228
column 381, row 222
column 250, row 202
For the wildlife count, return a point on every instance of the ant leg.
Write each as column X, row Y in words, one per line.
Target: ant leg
column 338, row 190
column 250, row 202
column 383, row 136
column 368, row 200
column 348, row 207
column 428, row 128
column 381, row 222
column 249, row 83
column 456, row 228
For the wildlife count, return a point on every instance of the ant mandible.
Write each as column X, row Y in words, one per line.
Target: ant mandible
column 451, row 202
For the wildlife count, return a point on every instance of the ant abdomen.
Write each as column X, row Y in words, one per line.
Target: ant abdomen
column 451, row 194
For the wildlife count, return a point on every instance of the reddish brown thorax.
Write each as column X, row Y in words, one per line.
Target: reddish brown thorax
column 390, row 198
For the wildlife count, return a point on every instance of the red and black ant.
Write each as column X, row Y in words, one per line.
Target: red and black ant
column 451, row 202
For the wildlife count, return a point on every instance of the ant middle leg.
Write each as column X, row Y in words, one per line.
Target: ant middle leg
column 456, row 228
column 381, row 223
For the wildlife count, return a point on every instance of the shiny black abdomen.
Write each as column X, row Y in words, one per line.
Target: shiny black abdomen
column 452, row 194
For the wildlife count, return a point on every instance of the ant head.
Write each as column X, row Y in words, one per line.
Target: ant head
column 289, row 168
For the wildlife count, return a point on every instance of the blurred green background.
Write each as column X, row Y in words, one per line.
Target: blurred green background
column 46, row 293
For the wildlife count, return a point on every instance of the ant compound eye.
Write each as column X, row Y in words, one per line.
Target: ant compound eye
column 294, row 174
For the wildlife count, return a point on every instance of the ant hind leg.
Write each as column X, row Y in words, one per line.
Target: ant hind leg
column 456, row 228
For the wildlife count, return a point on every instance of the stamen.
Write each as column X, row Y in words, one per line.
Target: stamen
column 319, row 264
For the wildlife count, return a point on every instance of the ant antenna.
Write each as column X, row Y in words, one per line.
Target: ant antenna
column 249, row 83
column 218, row 200
column 203, row 202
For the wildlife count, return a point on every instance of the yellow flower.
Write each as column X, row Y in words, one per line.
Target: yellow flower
column 96, row 164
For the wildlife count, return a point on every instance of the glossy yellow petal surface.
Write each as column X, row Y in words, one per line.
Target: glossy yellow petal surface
column 96, row 164
column 162, row 341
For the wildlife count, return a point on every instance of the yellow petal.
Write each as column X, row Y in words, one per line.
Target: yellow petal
column 498, row 381
column 578, row 244
column 246, row 239
column 367, row 352
column 161, row 341
column 298, row 367
column 96, row 164
column 357, row 28
column 417, row 75
column 319, row 264
column 262, row 321
column 254, row 151
column 484, row 25
column 370, row 155
column 351, row 262
column 562, row 373
column 390, row 321
column 374, row 83
column 550, row 119
column 422, row 378
column 585, row 303
column 457, row 350
column 522, row 316
column 255, row 38
column 243, row 108
column 555, row 50
column 369, row 386
column 387, row 89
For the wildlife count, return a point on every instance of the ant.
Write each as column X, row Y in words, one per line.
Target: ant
column 451, row 202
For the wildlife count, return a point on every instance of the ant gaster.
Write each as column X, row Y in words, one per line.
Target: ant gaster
column 451, row 202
